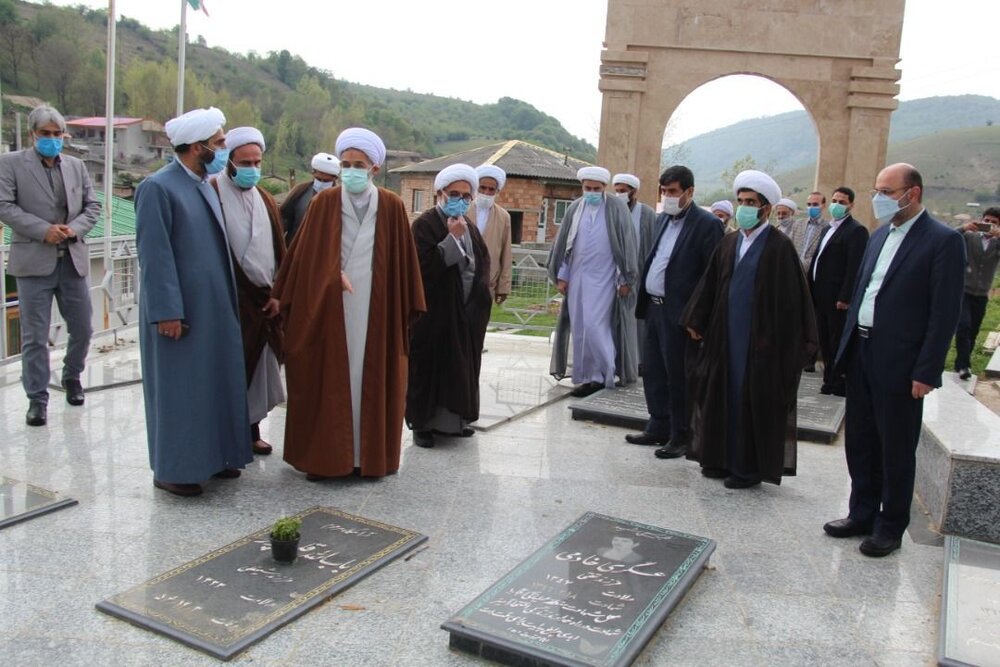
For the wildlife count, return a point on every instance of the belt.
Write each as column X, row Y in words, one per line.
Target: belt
column 61, row 252
column 658, row 300
column 864, row 332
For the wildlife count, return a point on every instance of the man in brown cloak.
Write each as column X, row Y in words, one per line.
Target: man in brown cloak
column 446, row 343
column 753, row 315
column 349, row 290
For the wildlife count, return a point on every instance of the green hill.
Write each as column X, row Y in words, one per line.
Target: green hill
column 958, row 166
column 785, row 142
column 57, row 54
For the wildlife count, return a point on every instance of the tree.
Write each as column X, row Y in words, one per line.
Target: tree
column 150, row 89
column 742, row 164
column 14, row 38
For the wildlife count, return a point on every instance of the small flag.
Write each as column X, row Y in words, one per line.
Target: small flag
column 198, row 4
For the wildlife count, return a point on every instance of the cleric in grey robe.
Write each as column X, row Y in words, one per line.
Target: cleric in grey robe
column 594, row 264
column 643, row 217
column 189, row 333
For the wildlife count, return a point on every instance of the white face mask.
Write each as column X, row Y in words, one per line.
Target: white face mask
column 622, row 195
column 319, row 185
column 485, row 201
column 671, row 205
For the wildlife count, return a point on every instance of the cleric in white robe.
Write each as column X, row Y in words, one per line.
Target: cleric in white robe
column 189, row 331
column 594, row 263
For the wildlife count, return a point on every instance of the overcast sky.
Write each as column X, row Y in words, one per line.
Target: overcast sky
column 547, row 52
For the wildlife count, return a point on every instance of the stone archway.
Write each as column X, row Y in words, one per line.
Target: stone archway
column 837, row 57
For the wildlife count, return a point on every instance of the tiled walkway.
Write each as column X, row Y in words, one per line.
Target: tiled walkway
column 777, row 592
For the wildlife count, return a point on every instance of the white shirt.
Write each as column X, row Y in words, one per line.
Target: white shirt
column 746, row 240
column 834, row 225
column 866, row 312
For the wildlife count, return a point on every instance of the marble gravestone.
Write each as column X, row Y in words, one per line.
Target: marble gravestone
column 970, row 605
column 819, row 416
column 592, row 595
column 228, row 599
column 20, row 501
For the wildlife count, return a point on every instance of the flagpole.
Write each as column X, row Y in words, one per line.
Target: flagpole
column 109, row 138
column 181, row 48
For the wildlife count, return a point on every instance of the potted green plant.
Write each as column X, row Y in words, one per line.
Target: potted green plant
column 285, row 539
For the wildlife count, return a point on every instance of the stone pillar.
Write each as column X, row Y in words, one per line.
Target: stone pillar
column 871, row 103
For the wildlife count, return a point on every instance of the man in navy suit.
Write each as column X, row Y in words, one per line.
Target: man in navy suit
column 831, row 281
column 899, row 326
column 684, row 237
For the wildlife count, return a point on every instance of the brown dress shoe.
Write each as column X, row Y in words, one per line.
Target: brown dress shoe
column 186, row 490
column 228, row 473
column 262, row 448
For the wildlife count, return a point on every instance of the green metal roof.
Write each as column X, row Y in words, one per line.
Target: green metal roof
column 122, row 219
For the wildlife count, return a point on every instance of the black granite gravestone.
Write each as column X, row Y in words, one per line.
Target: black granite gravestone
column 20, row 501
column 226, row 600
column 819, row 416
column 970, row 606
column 592, row 595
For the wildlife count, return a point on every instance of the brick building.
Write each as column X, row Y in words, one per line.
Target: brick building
column 541, row 184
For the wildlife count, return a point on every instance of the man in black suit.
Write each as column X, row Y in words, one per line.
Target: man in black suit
column 684, row 237
column 831, row 281
column 899, row 326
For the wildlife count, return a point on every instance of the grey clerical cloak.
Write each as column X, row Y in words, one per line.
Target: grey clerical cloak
column 195, row 387
column 624, row 254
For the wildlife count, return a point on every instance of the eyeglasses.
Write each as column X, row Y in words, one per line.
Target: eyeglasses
column 458, row 195
column 888, row 192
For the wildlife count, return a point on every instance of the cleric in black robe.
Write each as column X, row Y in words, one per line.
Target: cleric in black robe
column 446, row 343
column 753, row 313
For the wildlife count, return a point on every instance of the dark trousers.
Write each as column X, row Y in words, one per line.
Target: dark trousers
column 829, row 326
column 881, row 436
column 664, row 379
column 973, row 311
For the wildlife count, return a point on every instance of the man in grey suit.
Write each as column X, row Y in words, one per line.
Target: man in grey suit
column 48, row 202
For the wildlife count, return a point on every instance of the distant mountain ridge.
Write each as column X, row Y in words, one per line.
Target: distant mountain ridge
column 788, row 141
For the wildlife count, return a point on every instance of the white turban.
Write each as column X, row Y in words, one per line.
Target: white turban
column 363, row 140
column 241, row 136
column 455, row 173
column 593, row 174
column 784, row 201
column 724, row 205
column 494, row 172
column 326, row 163
column 760, row 183
column 627, row 179
column 194, row 126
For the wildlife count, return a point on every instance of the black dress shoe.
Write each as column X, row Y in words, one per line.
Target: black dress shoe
column 847, row 527
column 671, row 451
column 186, row 490
column 965, row 374
column 423, row 438
column 826, row 390
column 878, row 546
column 586, row 389
column 228, row 473
column 310, row 477
column 467, row 432
column 810, row 369
column 74, row 391
column 714, row 473
column 37, row 414
column 646, row 439
column 734, row 482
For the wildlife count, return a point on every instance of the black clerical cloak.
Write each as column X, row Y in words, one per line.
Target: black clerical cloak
column 446, row 343
column 783, row 336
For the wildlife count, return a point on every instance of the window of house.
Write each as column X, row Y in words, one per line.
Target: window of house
column 561, row 206
column 417, row 204
column 124, row 269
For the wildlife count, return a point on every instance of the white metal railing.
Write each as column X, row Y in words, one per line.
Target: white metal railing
column 119, row 290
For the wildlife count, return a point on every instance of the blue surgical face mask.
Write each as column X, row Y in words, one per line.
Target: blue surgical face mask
column 814, row 211
column 217, row 163
column 593, row 198
column 319, row 186
column 246, row 177
column 884, row 207
column 747, row 217
column 48, row 146
column 355, row 180
column 455, row 207
column 837, row 210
